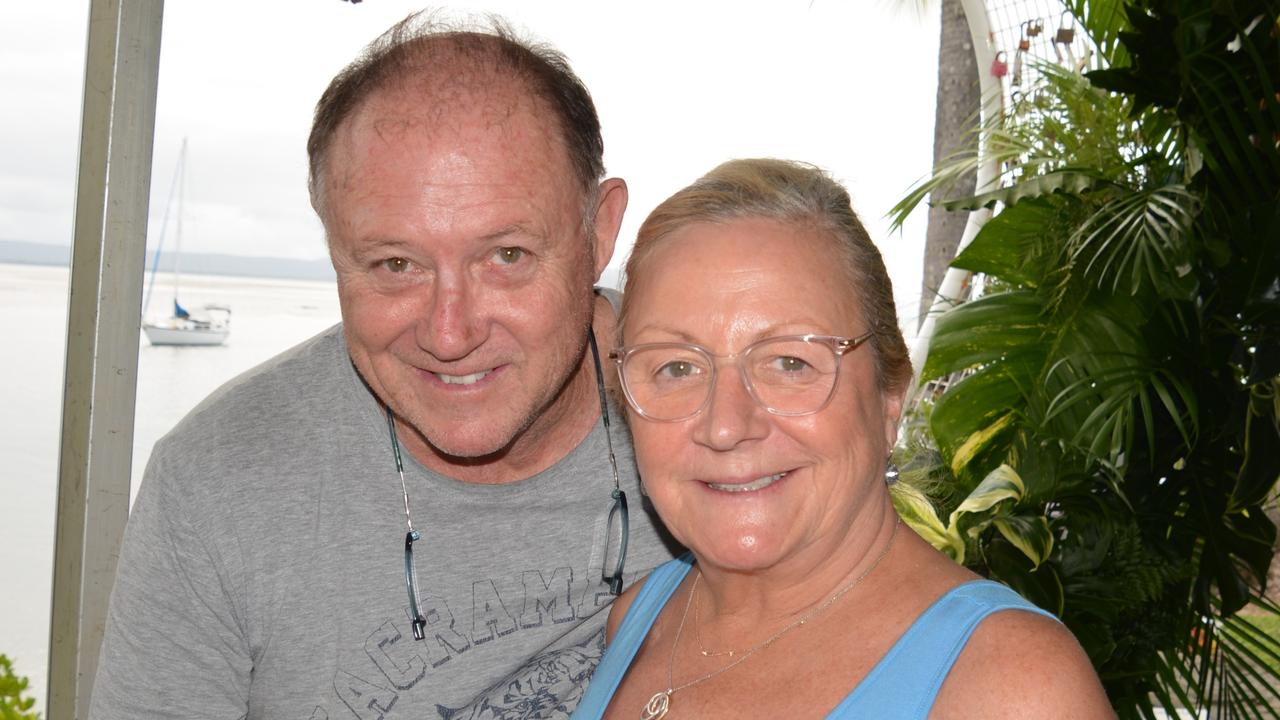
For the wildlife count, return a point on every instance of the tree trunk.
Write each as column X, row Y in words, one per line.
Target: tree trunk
column 956, row 116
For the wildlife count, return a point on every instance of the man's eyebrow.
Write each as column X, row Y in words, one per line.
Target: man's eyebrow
column 507, row 231
column 381, row 242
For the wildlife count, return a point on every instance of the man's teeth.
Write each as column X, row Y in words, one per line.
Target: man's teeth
column 462, row 379
column 760, row 484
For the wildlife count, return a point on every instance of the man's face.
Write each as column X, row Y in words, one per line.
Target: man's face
column 464, row 272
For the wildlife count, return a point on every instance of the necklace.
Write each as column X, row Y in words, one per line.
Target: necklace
column 697, row 626
column 660, row 703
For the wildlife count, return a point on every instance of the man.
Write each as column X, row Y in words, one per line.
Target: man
column 413, row 514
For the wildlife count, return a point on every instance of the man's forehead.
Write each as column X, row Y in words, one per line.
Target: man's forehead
column 447, row 151
column 396, row 118
column 443, row 101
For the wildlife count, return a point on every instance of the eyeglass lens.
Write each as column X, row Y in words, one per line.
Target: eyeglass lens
column 411, row 583
column 789, row 376
column 619, row 547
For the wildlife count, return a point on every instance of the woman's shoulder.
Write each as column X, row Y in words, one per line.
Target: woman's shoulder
column 1020, row 664
column 658, row 585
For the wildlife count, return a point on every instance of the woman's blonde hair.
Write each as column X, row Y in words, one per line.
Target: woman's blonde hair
column 794, row 193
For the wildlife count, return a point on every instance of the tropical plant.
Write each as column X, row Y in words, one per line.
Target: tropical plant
column 1109, row 434
column 14, row 704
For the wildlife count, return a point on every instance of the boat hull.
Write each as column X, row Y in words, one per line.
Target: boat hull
column 169, row 335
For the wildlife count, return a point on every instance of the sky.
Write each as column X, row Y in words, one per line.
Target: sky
column 848, row 85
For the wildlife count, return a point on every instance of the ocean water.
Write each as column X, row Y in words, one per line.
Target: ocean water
column 268, row 316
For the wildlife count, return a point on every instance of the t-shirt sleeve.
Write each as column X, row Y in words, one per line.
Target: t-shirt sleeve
column 175, row 643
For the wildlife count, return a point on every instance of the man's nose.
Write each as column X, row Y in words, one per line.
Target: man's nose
column 732, row 416
column 451, row 326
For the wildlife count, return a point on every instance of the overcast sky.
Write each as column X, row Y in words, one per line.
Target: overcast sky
column 680, row 87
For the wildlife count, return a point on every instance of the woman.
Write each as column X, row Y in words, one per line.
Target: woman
column 764, row 373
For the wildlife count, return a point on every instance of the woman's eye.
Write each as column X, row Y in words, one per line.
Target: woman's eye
column 790, row 364
column 678, row 369
column 509, row 255
column 396, row 265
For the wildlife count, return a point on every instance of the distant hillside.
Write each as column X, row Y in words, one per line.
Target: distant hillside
column 29, row 253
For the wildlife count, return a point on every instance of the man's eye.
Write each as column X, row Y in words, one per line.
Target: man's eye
column 509, row 255
column 396, row 265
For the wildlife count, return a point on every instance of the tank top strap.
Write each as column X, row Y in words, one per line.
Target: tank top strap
column 642, row 613
column 906, row 681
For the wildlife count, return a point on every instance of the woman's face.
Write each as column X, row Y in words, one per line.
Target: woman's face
column 743, row 488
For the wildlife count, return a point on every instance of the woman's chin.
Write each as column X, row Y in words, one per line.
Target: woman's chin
column 743, row 552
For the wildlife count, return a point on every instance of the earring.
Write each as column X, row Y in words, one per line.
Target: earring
column 890, row 472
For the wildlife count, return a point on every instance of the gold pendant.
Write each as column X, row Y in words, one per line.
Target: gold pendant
column 657, row 707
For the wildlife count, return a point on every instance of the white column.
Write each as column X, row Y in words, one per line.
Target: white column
column 117, row 128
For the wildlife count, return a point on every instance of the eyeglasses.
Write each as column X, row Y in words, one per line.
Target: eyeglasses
column 617, row 510
column 410, row 570
column 786, row 375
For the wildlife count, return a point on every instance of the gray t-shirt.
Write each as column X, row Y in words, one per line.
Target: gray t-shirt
column 262, row 573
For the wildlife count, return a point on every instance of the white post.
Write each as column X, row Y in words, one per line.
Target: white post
column 116, row 135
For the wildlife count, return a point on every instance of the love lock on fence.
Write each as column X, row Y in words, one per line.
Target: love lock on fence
column 999, row 66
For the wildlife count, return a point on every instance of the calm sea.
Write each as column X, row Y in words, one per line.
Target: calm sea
column 267, row 317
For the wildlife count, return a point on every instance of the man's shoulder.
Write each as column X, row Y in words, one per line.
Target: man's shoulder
column 283, row 389
column 266, row 429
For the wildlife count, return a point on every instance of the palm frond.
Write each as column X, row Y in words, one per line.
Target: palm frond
column 1137, row 240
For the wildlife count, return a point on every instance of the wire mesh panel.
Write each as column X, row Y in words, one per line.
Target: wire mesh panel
column 1026, row 34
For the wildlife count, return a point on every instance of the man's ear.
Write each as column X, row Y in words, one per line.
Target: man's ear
column 610, row 206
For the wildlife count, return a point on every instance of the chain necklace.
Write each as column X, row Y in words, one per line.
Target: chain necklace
column 697, row 628
column 660, row 703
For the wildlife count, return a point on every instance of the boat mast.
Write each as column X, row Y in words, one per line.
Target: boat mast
column 164, row 230
column 177, row 235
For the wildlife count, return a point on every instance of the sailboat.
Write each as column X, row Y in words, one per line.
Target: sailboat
column 208, row 326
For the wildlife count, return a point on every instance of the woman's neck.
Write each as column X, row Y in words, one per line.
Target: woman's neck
column 751, row 603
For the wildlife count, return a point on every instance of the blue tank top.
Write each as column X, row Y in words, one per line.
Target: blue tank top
column 902, row 686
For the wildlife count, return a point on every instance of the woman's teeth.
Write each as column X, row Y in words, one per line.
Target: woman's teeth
column 760, row 484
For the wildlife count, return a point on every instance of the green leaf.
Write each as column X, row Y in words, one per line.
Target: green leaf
column 1042, row 586
column 1256, row 477
column 999, row 485
column 1137, row 240
column 14, row 702
column 1002, row 245
column 917, row 512
column 980, row 441
column 1103, row 21
column 994, row 328
column 1028, row 533
column 1072, row 182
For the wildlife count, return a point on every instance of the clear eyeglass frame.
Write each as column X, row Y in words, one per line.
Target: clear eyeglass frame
column 837, row 344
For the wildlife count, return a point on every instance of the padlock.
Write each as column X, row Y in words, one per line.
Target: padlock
column 1066, row 29
column 999, row 66
column 1035, row 27
column 1024, row 43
